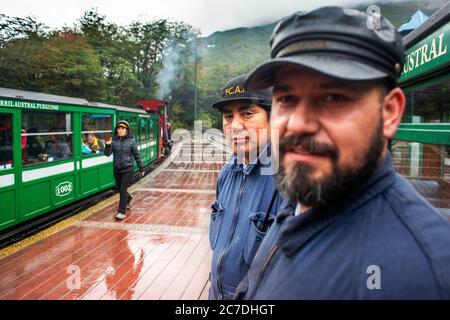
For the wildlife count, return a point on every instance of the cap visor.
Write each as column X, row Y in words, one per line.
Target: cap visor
column 335, row 66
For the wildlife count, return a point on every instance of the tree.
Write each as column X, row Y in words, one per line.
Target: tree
column 20, row 67
column 131, row 56
column 99, row 60
column 14, row 28
column 151, row 40
column 71, row 67
column 20, row 42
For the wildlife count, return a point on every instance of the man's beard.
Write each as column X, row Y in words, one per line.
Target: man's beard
column 298, row 184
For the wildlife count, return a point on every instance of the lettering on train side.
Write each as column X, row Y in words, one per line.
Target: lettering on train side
column 63, row 189
column 425, row 53
column 27, row 105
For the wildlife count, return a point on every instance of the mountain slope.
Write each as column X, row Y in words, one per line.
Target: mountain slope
column 226, row 54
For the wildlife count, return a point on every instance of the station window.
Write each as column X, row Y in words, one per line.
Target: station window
column 96, row 131
column 6, row 142
column 426, row 165
column 428, row 104
column 46, row 137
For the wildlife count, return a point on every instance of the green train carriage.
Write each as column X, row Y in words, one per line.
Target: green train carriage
column 51, row 151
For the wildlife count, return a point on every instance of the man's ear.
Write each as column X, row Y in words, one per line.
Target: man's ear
column 393, row 108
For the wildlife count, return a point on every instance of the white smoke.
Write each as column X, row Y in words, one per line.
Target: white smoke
column 192, row 49
column 170, row 69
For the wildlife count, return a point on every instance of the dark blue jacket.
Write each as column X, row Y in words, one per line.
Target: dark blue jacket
column 384, row 242
column 242, row 199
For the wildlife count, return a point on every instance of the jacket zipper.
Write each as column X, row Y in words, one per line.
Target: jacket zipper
column 235, row 219
column 121, row 154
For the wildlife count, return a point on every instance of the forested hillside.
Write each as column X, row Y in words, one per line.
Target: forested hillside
column 101, row 61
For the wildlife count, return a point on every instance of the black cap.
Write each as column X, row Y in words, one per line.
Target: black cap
column 341, row 43
column 236, row 90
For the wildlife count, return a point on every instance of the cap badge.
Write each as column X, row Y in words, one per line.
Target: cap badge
column 234, row 90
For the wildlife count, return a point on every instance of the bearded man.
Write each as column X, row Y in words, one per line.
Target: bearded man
column 360, row 230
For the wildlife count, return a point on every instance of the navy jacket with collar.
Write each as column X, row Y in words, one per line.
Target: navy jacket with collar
column 384, row 242
column 242, row 199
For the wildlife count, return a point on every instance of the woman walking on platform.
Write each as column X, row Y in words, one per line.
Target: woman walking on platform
column 123, row 146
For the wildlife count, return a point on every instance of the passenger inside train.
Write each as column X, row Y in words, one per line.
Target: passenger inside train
column 48, row 137
column 56, row 147
column 84, row 148
column 96, row 145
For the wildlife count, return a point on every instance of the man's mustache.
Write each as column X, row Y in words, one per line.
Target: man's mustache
column 310, row 144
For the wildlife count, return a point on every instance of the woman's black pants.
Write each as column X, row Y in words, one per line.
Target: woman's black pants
column 123, row 180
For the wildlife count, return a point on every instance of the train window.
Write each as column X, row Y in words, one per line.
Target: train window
column 133, row 126
column 6, row 141
column 46, row 137
column 143, row 130
column 152, row 130
column 96, row 130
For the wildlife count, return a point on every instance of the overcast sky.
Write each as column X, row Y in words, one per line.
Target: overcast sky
column 207, row 15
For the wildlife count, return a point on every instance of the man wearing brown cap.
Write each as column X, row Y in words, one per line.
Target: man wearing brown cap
column 359, row 230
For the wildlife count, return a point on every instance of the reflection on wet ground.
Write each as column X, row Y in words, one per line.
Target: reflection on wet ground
column 161, row 251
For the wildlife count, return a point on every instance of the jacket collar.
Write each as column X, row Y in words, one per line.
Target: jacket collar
column 300, row 229
column 263, row 160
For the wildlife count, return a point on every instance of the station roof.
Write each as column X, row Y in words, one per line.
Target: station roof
column 416, row 20
column 436, row 20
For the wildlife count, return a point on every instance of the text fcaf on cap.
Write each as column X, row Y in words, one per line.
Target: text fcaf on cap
column 336, row 42
column 236, row 90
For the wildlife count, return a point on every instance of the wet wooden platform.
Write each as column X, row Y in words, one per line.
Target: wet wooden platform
column 161, row 251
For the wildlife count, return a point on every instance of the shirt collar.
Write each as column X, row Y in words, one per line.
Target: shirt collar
column 298, row 209
column 298, row 230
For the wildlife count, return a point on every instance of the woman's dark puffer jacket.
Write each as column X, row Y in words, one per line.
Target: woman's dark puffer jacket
column 123, row 150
